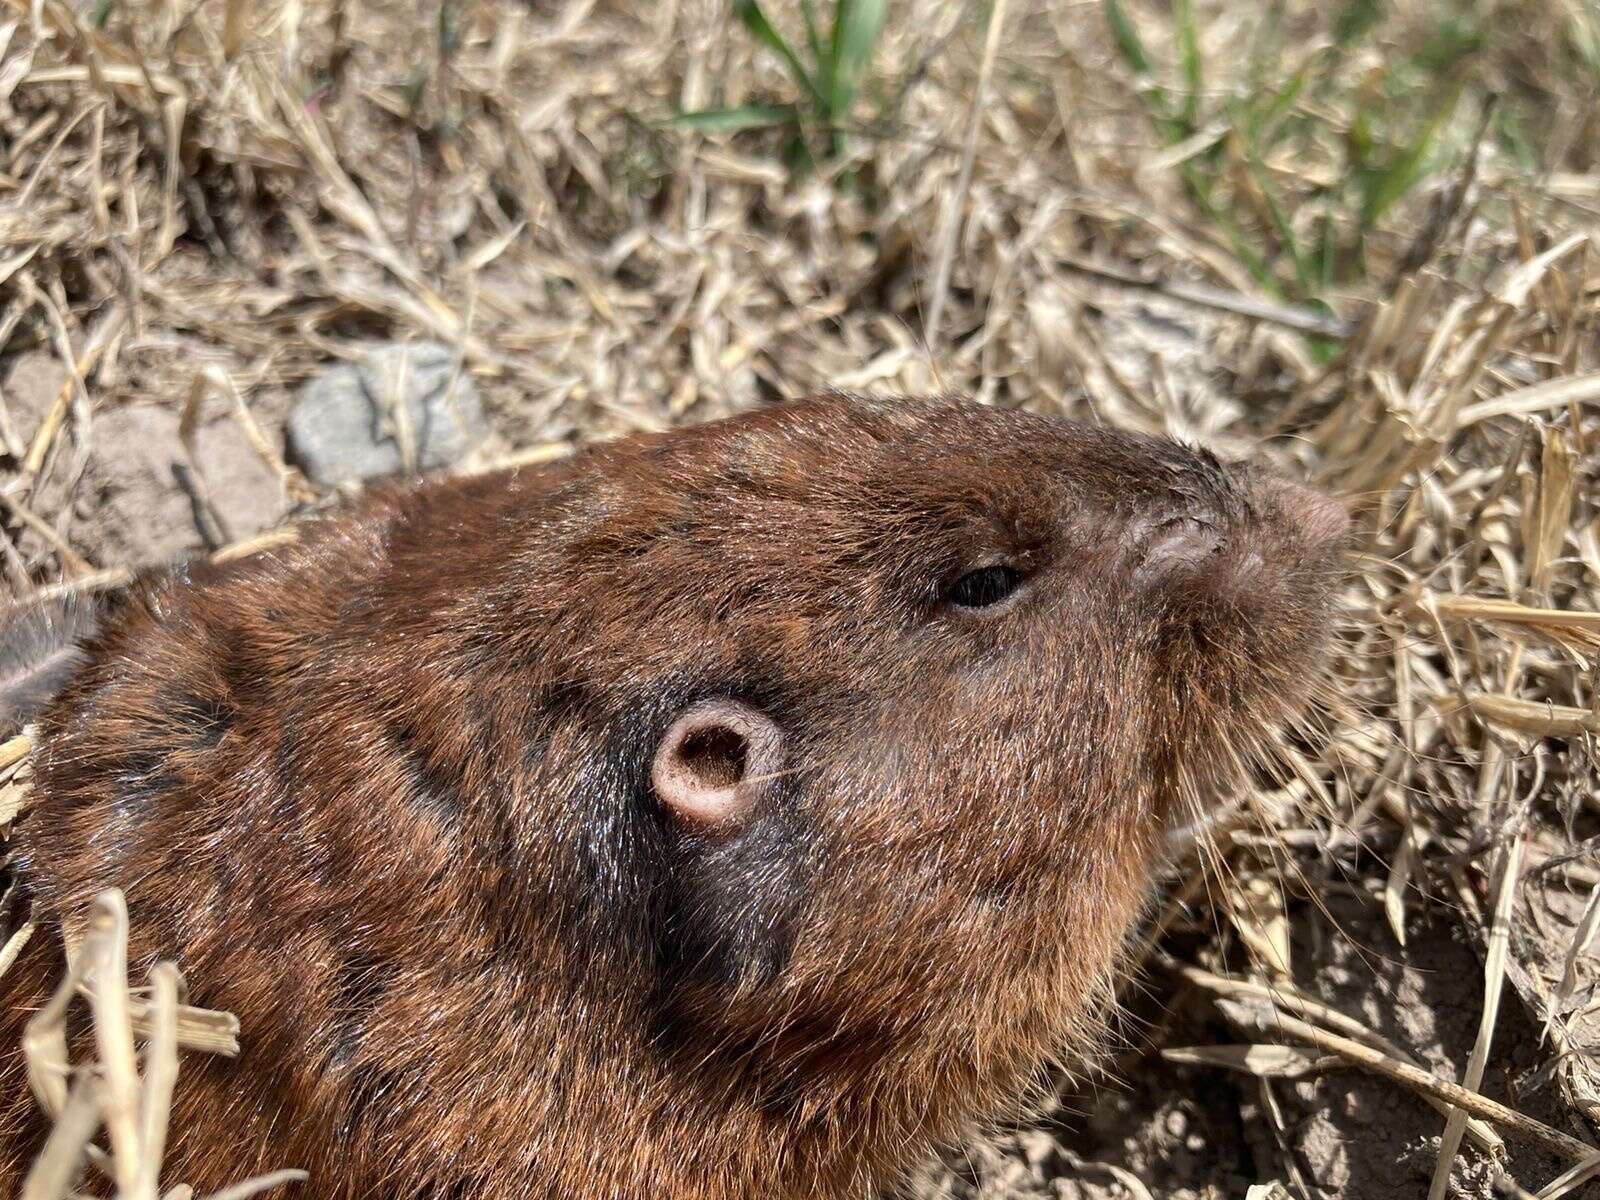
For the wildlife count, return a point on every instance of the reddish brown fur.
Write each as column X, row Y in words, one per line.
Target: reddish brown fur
column 384, row 794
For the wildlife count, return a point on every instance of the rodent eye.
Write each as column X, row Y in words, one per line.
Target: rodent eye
column 985, row 586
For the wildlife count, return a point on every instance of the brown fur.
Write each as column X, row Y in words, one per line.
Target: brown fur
column 385, row 795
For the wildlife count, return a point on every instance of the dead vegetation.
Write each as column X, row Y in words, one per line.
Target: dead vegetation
column 200, row 204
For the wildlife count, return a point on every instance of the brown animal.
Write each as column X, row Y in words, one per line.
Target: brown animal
column 735, row 812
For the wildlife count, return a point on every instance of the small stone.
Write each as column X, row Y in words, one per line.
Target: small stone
column 345, row 427
column 1356, row 1109
column 1039, row 1149
column 1013, row 1179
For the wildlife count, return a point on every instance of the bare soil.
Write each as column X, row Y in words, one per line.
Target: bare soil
column 1188, row 1133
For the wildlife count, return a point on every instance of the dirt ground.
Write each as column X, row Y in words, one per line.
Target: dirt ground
column 1199, row 1134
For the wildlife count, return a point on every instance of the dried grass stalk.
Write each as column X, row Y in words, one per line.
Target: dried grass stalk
column 129, row 1094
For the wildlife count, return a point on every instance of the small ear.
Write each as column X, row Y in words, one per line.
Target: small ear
column 710, row 766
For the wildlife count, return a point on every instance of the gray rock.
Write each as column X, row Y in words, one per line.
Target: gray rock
column 346, row 424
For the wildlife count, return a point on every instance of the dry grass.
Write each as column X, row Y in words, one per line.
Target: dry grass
column 206, row 203
column 130, row 1095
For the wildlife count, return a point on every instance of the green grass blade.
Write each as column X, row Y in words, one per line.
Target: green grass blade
column 1126, row 39
column 732, row 120
column 1355, row 19
column 821, row 54
column 1382, row 188
column 749, row 11
column 1200, row 192
column 1584, row 34
column 1190, row 64
column 1266, row 123
column 1280, row 222
column 1265, row 47
column 1455, row 38
column 857, row 26
column 808, row 10
column 1358, row 146
column 1131, row 49
column 1328, row 253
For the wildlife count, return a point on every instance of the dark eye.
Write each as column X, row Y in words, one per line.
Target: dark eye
column 985, row 586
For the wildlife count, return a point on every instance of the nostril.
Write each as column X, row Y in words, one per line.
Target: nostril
column 1176, row 545
column 1324, row 520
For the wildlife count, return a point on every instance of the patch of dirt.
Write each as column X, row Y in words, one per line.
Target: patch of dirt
column 1361, row 1137
column 136, row 496
column 1186, row 1133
